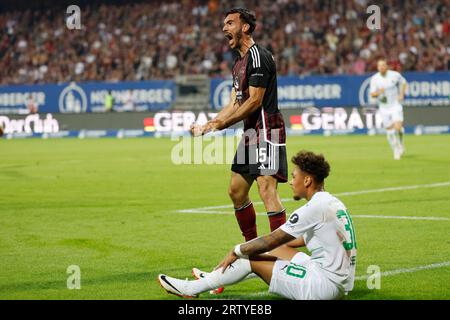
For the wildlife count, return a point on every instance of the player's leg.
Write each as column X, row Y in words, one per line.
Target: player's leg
column 392, row 137
column 236, row 272
column 238, row 190
column 399, row 131
column 267, row 188
column 284, row 252
column 397, row 117
column 268, row 174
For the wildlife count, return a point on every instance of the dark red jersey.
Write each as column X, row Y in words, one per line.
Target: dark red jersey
column 257, row 69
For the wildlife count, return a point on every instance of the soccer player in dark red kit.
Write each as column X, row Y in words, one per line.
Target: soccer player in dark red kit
column 261, row 154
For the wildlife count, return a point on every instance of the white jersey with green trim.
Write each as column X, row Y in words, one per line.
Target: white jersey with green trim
column 328, row 232
column 391, row 82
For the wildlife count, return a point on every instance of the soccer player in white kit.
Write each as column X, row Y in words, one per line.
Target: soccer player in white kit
column 323, row 224
column 388, row 87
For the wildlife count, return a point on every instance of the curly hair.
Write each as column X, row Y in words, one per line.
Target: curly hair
column 246, row 16
column 313, row 164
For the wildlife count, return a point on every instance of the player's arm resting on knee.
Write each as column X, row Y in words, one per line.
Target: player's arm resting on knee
column 254, row 249
column 297, row 243
column 238, row 112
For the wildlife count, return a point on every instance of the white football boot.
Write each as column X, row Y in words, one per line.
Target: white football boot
column 175, row 286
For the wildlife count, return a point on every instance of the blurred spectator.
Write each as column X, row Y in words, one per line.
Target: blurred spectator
column 109, row 102
column 31, row 104
column 154, row 40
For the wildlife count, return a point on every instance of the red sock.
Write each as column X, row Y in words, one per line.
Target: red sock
column 246, row 217
column 276, row 219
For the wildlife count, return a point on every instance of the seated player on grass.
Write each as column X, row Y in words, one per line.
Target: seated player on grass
column 323, row 224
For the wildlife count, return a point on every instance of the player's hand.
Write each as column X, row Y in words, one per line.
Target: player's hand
column 229, row 259
column 196, row 130
column 381, row 91
column 401, row 97
column 214, row 125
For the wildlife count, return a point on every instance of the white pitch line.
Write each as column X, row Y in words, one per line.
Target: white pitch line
column 409, row 270
column 398, row 217
column 353, row 215
column 211, row 210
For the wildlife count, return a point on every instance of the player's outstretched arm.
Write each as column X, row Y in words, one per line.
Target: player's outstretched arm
column 255, row 247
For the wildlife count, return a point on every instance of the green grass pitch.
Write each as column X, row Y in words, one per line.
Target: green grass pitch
column 110, row 207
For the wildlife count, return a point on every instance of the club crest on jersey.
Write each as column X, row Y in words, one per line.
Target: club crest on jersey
column 293, row 218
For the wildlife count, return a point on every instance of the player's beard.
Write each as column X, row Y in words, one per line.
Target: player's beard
column 238, row 40
column 297, row 198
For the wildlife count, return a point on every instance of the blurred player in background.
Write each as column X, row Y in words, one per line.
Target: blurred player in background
column 31, row 104
column 389, row 88
column 254, row 100
column 323, row 224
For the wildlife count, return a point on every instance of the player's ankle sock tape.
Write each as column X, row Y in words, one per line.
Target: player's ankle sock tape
column 246, row 217
column 276, row 219
column 245, row 206
column 275, row 213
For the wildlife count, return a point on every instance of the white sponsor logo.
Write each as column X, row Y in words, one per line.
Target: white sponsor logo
column 222, row 94
column 180, row 121
column 72, row 99
column 310, row 92
column 417, row 93
column 363, row 94
column 340, row 119
column 31, row 124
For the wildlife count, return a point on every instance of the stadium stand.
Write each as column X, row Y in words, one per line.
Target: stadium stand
column 150, row 40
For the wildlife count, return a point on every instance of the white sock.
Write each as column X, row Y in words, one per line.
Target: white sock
column 400, row 137
column 236, row 272
column 392, row 139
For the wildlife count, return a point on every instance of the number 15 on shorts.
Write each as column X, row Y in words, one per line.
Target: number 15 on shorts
column 261, row 155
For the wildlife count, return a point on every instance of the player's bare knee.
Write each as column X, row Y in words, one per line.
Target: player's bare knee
column 238, row 197
column 267, row 191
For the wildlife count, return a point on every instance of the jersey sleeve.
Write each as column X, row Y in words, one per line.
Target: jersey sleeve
column 302, row 220
column 259, row 68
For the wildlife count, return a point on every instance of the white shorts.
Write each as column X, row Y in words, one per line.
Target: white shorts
column 389, row 115
column 302, row 279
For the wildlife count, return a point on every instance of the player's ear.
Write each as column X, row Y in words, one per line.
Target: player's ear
column 307, row 181
column 245, row 27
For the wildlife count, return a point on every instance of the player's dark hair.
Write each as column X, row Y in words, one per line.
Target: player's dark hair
column 313, row 164
column 246, row 16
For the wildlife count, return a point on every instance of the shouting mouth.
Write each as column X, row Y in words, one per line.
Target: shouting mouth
column 229, row 36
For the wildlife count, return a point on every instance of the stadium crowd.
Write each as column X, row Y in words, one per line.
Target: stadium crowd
column 158, row 40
